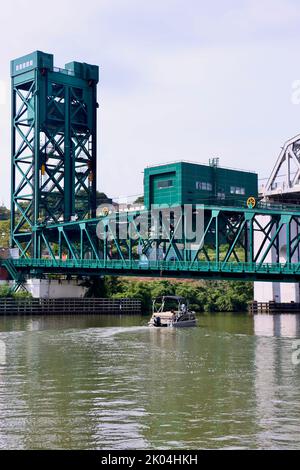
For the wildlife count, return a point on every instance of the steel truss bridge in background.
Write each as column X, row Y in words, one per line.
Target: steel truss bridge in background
column 53, row 200
column 229, row 247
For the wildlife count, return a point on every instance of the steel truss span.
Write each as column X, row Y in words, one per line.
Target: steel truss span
column 53, row 200
column 140, row 243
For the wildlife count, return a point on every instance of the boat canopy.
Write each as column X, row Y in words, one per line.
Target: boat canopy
column 169, row 297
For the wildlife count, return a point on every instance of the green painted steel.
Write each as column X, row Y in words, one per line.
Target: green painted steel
column 16, row 274
column 189, row 183
column 53, row 146
column 283, row 272
column 227, row 248
column 53, row 206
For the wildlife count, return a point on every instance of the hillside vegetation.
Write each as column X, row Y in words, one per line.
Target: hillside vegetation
column 204, row 296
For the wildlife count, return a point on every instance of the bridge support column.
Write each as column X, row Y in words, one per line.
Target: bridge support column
column 277, row 291
column 55, row 289
column 289, row 292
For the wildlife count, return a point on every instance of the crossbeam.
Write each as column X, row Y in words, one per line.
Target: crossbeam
column 226, row 248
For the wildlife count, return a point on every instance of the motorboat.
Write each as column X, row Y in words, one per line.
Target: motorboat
column 171, row 311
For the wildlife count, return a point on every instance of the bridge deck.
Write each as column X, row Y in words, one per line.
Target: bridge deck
column 288, row 272
column 227, row 248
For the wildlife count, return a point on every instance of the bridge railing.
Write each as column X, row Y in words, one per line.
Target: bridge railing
column 72, row 306
column 242, row 203
column 141, row 265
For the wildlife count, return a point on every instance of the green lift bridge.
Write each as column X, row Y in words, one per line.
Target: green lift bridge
column 53, row 198
column 53, row 140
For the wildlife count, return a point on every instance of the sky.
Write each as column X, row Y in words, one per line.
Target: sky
column 179, row 79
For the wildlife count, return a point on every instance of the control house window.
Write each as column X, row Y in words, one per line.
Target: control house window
column 165, row 184
column 203, row 185
column 24, row 65
column 237, row 190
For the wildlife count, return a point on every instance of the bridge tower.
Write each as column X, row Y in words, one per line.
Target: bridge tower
column 53, row 161
column 283, row 187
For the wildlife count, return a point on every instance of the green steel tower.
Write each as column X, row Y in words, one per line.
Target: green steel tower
column 53, row 146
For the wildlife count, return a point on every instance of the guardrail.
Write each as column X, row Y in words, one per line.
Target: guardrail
column 160, row 265
column 69, row 306
column 242, row 203
column 273, row 308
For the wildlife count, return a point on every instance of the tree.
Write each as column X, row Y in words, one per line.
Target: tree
column 136, row 290
column 4, row 213
column 139, row 200
column 4, row 233
column 101, row 198
column 161, row 287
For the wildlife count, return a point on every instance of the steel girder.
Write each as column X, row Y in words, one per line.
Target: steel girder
column 242, row 241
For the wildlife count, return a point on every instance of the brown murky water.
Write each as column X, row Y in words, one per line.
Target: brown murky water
column 90, row 382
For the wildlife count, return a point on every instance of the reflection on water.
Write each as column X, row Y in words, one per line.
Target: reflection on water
column 277, row 325
column 277, row 380
column 102, row 382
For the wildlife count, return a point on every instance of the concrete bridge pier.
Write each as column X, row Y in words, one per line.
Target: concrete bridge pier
column 55, row 289
column 277, row 291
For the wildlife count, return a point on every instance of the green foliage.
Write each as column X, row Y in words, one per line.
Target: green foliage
column 210, row 250
column 4, row 213
column 191, row 292
column 95, row 287
column 207, row 296
column 4, row 233
column 139, row 200
column 203, row 296
column 225, row 296
column 161, row 287
column 6, row 292
column 109, row 286
column 101, row 198
column 113, row 285
column 23, row 294
column 136, row 290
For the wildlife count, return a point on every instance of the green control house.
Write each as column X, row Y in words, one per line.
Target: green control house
column 191, row 183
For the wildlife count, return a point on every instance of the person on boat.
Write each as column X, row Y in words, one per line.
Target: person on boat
column 183, row 308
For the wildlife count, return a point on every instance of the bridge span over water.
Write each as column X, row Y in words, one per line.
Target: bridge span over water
column 54, row 226
column 236, row 242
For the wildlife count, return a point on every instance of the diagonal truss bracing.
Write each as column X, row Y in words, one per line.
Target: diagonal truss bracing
column 228, row 242
column 53, row 147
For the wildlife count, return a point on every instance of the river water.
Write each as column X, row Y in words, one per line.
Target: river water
column 110, row 382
